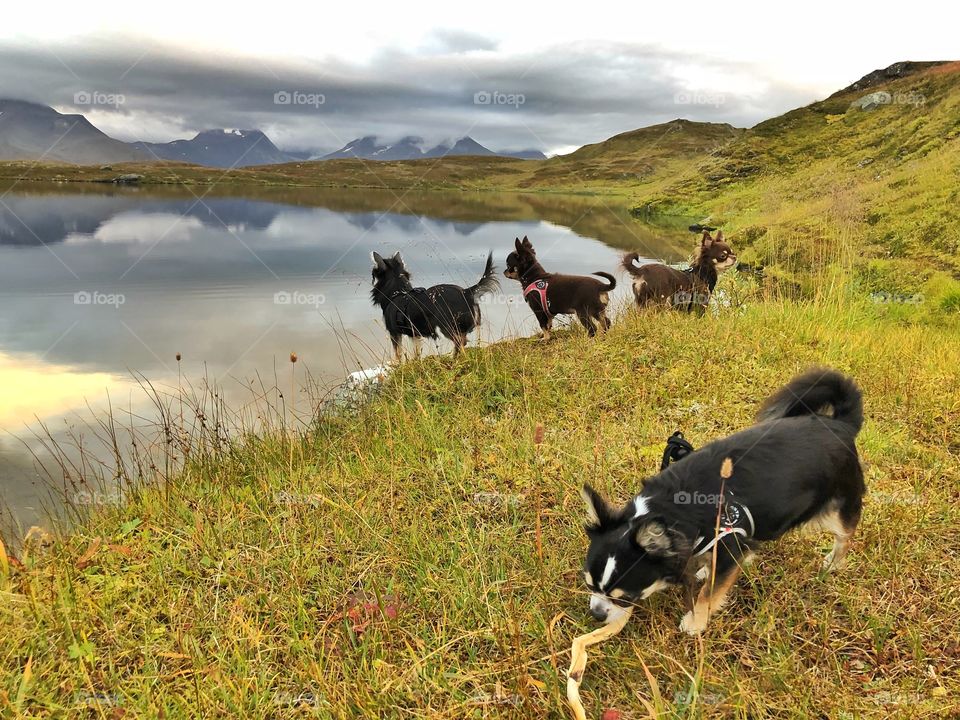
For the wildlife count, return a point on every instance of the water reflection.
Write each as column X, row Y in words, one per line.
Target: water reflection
column 96, row 285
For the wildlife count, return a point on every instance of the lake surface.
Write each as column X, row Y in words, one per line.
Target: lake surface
column 98, row 285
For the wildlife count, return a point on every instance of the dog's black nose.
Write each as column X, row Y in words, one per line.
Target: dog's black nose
column 598, row 613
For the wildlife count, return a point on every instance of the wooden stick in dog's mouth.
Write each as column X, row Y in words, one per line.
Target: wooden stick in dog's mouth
column 578, row 659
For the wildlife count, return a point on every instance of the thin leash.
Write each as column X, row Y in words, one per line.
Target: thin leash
column 677, row 448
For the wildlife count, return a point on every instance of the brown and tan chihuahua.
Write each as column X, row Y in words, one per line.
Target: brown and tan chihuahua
column 552, row 294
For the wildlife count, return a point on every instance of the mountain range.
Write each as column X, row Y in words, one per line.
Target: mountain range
column 411, row 148
column 30, row 131
column 219, row 148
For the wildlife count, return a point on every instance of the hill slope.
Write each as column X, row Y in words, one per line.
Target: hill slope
column 889, row 174
column 29, row 131
column 636, row 157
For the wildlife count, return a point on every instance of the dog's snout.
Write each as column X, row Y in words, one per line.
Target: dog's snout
column 600, row 607
column 598, row 613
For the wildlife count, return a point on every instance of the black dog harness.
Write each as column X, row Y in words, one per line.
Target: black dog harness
column 735, row 517
column 539, row 287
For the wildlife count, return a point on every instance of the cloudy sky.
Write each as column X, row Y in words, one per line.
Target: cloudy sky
column 512, row 75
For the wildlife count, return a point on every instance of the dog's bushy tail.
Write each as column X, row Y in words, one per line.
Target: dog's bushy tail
column 488, row 281
column 628, row 263
column 811, row 393
column 609, row 278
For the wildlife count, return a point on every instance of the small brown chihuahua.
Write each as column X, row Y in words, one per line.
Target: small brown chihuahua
column 552, row 294
column 690, row 290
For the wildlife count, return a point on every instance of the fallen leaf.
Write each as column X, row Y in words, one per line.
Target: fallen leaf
column 4, row 562
column 85, row 560
column 538, row 684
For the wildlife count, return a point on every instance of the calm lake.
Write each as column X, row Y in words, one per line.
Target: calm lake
column 99, row 285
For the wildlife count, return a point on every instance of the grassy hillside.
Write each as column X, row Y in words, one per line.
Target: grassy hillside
column 633, row 159
column 890, row 176
column 420, row 558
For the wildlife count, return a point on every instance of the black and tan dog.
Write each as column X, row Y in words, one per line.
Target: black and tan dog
column 708, row 512
column 552, row 294
column 420, row 312
column 690, row 290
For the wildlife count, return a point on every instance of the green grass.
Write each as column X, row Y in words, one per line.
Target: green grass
column 359, row 564
column 893, row 172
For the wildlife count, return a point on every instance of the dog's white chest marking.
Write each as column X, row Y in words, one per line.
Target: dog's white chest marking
column 640, row 506
column 608, row 572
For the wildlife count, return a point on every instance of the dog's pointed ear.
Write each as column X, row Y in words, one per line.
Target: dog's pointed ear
column 706, row 241
column 377, row 260
column 653, row 536
column 526, row 242
column 517, row 245
column 599, row 512
column 396, row 256
column 719, row 236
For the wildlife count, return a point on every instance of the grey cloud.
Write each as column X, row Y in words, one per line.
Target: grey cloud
column 562, row 96
column 445, row 40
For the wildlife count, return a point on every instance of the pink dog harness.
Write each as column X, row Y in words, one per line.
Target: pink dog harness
column 540, row 288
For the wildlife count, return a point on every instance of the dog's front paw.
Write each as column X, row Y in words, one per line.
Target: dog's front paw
column 831, row 562
column 694, row 624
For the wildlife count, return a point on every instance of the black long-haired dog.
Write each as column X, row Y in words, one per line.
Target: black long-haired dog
column 794, row 467
column 420, row 312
